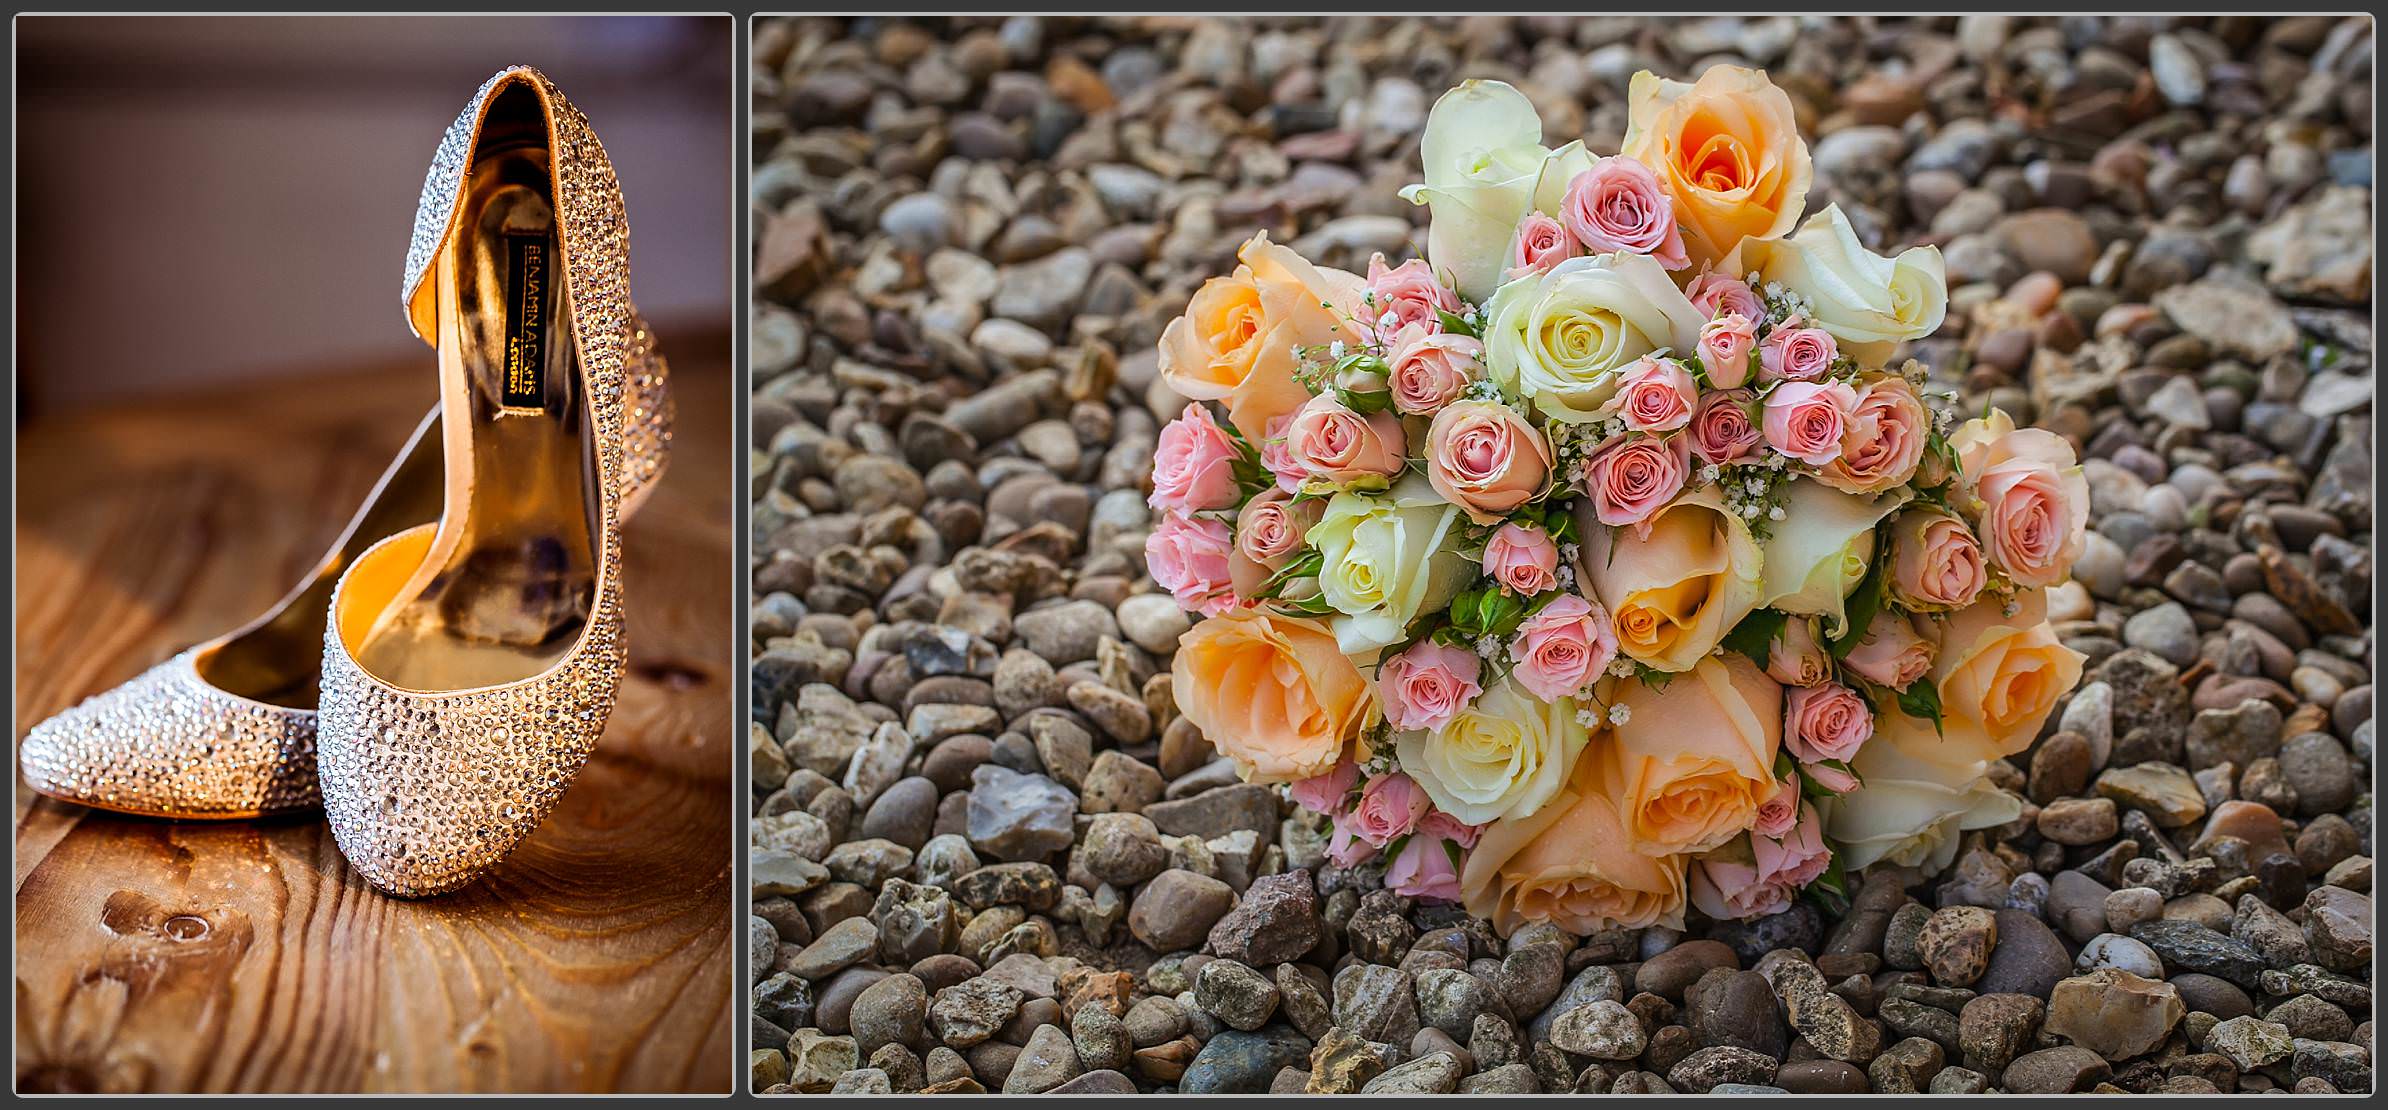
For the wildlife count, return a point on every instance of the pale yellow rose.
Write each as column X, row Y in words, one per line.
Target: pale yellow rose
column 1240, row 338
column 1386, row 558
column 1501, row 758
column 1675, row 592
column 1569, row 865
column 1868, row 302
column 1695, row 760
column 1911, row 806
column 1561, row 338
column 1485, row 166
column 1273, row 693
column 1999, row 674
column 1727, row 149
column 1821, row 548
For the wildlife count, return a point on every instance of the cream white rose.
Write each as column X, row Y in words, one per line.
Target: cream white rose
column 1485, row 164
column 1675, row 591
column 1821, row 548
column 1561, row 337
column 1503, row 756
column 1387, row 558
column 1868, row 302
column 1907, row 810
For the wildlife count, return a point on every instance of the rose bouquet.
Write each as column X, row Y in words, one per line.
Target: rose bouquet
column 1597, row 562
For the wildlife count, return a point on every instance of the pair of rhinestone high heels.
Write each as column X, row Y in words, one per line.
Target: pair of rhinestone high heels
column 438, row 680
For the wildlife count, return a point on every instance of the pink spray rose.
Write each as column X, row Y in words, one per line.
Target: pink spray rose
column 1423, row 869
column 1522, row 559
column 1424, row 687
column 1829, row 721
column 1716, row 294
column 1430, row 369
column 1406, row 295
column 1779, row 811
column 1562, row 648
column 1618, row 205
column 1796, row 354
column 1797, row 859
column 1439, row 823
column 1632, row 477
column 1796, row 658
column 1193, row 465
column 1189, row 557
column 1891, row 653
column 1542, row 243
column 1829, row 777
column 1390, row 806
column 1269, row 531
column 1345, row 847
column 1331, row 442
column 1725, row 344
column 1935, row 562
column 1725, row 886
column 1656, row 396
column 1485, row 458
column 1721, row 431
column 1805, row 419
column 1884, row 440
column 1275, row 459
column 1325, row 793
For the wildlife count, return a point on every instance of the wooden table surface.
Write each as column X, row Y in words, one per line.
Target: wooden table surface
column 245, row 956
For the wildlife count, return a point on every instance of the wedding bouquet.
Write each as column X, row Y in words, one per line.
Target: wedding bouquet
column 1597, row 563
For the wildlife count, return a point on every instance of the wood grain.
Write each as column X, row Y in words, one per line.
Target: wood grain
column 245, row 956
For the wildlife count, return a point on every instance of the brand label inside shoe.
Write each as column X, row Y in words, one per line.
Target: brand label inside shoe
column 528, row 268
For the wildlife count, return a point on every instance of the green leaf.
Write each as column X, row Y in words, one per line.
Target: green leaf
column 1921, row 700
column 1756, row 634
column 1451, row 849
column 1455, row 325
column 1864, row 603
column 1831, row 889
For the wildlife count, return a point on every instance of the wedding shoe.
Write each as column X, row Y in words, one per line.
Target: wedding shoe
column 470, row 664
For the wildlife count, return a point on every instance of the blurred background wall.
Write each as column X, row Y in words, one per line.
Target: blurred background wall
column 208, row 200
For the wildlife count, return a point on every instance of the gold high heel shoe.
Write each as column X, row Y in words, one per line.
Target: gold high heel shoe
column 470, row 665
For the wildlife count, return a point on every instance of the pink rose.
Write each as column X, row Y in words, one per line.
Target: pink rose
column 1884, row 440
column 1522, row 559
column 1193, row 465
column 1935, row 563
column 1795, row 860
column 1345, row 848
column 1618, row 205
column 1656, row 395
column 1824, row 722
column 1430, row 369
column 1805, row 419
column 1829, row 777
column 1423, row 869
column 1483, row 457
column 1795, row 658
column 1562, row 648
column 1726, row 887
column 1424, row 687
column 1716, row 294
column 1632, row 477
column 1891, row 653
column 1721, row 431
column 1188, row 557
column 1325, row 793
column 1439, row 823
column 1331, row 442
column 1780, row 811
column 1390, row 806
column 1269, row 530
column 1725, row 344
column 1406, row 295
column 1542, row 243
column 2035, row 507
column 1796, row 354
column 1276, row 459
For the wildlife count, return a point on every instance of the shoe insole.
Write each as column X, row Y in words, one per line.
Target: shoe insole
column 511, row 573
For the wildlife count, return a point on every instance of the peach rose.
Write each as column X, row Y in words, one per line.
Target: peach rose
column 1428, row 370
column 1725, row 345
column 1719, row 295
column 1542, row 243
column 1271, row 692
column 1780, row 810
column 2033, row 499
column 1189, row 557
column 1656, row 396
column 1522, row 559
column 1797, row 354
column 1241, row 337
column 1935, row 563
column 1796, row 657
column 1617, row 205
column 1427, row 685
column 1883, row 441
column 1695, row 761
column 1569, row 865
column 1399, row 297
column 1826, row 722
column 1805, row 419
column 2000, row 674
column 1891, row 652
column 1325, row 794
column 1631, row 477
column 1269, row 531
column 1483, row 457
column 1194, row 465
column 1332, row 443
column 1673, row 593
column 1727, row 148
column 1726, row 885
column 1564, row 647
column 1721, row 431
